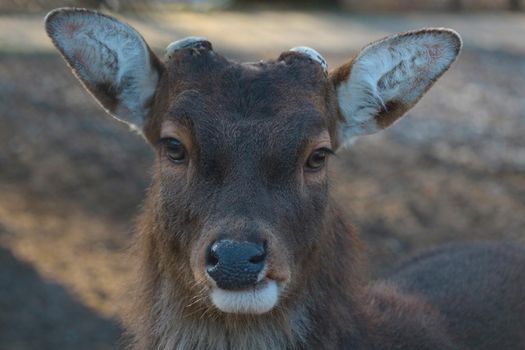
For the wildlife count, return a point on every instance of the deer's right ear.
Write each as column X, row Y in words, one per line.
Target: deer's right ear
column 110, row 58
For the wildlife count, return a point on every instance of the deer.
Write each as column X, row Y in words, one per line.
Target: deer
column 240, row 244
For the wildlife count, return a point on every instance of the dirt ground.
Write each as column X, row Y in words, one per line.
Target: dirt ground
column 72, row 180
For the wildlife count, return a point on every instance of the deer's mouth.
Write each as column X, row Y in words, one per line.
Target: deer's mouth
column 258, row 299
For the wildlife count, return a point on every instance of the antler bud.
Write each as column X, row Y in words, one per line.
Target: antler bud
column 312, row 54
column 188, row 42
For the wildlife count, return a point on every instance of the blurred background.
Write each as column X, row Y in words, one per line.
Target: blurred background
column 72, row 179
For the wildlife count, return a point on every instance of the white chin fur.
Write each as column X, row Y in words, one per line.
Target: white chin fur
column 257, row 300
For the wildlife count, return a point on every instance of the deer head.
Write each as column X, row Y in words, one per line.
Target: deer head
column 239, row 203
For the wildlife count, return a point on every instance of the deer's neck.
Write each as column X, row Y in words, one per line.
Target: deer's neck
column 319, row 312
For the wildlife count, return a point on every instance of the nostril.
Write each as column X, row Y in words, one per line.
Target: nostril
column 259, row 258
column 212, row 259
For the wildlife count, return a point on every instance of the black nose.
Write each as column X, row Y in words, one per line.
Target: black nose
column 235, row 265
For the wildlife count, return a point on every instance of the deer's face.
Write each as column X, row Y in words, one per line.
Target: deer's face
column 240, row 195
column 242, row 169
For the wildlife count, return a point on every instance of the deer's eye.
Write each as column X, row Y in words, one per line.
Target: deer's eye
column 175, row 150
column 317, row 159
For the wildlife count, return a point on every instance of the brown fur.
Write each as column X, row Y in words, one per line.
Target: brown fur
column 327, row 304
column 248, row 130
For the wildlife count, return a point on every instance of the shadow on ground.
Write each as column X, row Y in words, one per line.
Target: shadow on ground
column 39, row 314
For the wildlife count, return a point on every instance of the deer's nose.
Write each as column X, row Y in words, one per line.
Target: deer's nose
column 235, row 265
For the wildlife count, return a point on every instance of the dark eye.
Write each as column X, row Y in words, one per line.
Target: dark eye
column 174, row 150
column 317, row 159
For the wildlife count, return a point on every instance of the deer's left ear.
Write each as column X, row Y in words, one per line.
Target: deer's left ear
column 389, row 76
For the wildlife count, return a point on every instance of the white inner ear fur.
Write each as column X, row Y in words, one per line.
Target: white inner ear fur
column 399, row 68
column 110, row 58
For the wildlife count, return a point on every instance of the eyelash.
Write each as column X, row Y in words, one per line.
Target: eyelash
column 329, row 151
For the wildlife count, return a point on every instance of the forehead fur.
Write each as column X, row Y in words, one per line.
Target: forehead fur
column 204, row 69
column 291, row 91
